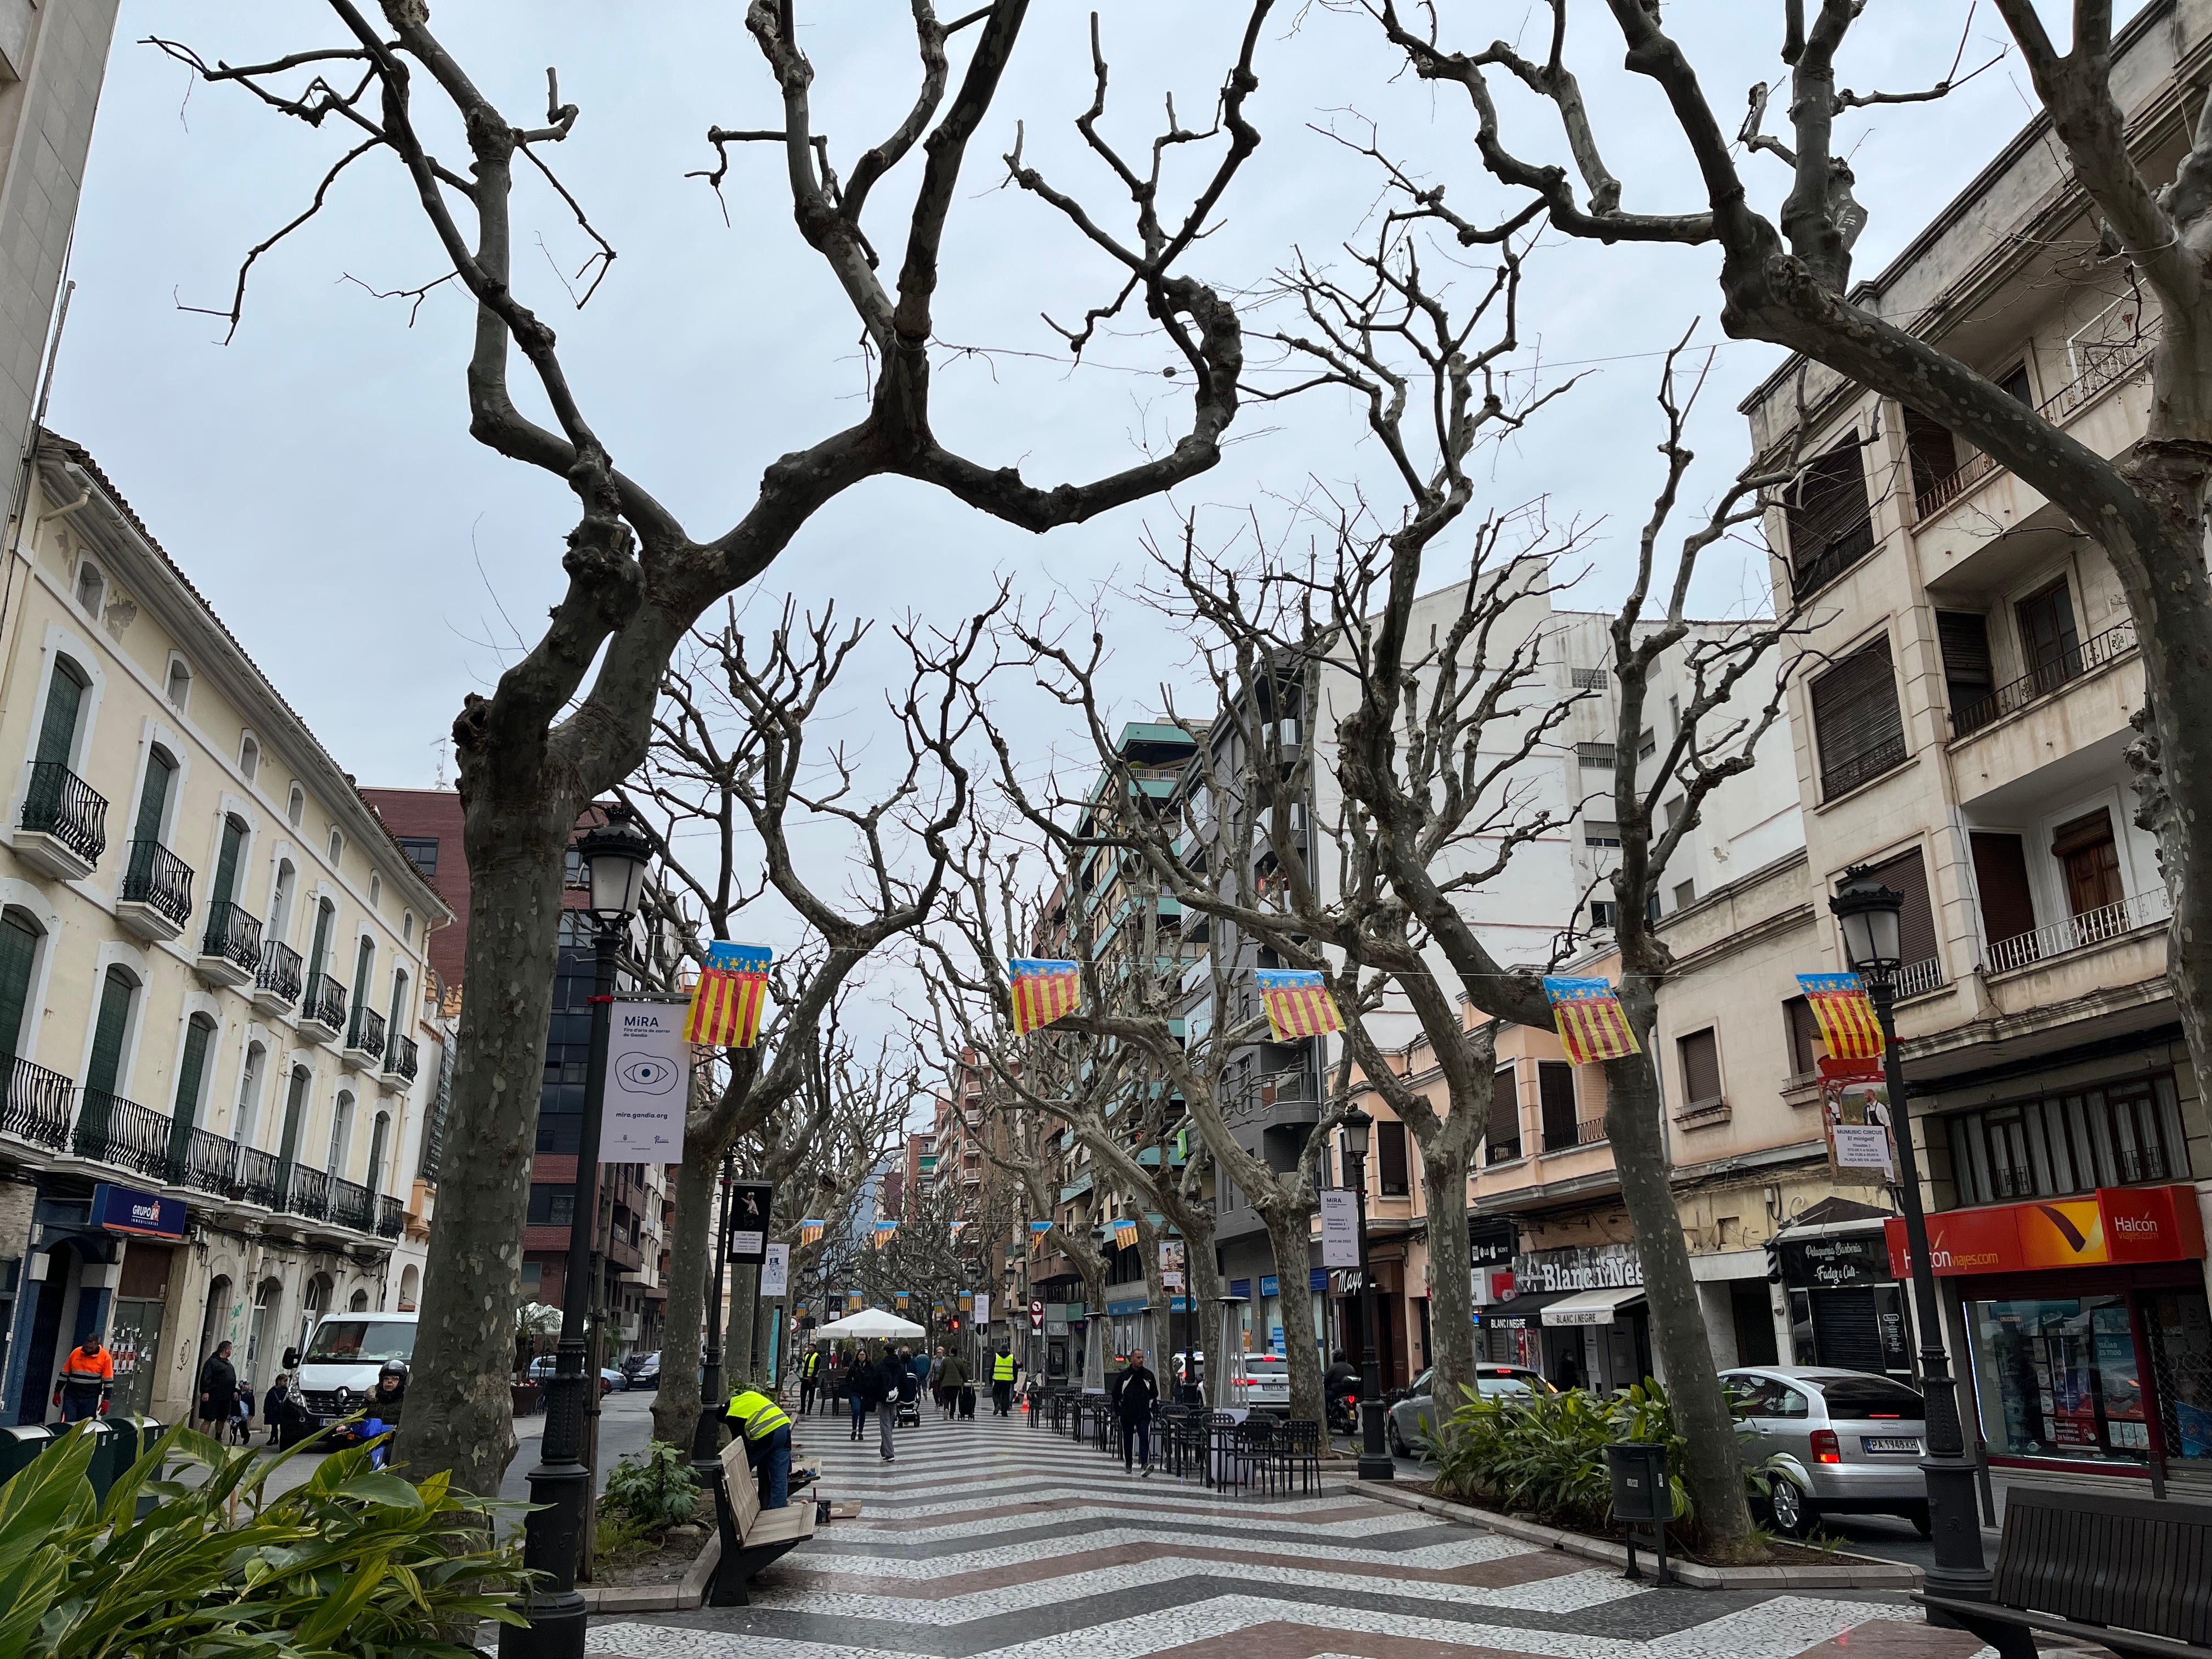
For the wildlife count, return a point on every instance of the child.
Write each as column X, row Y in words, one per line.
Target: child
column 273, row 1403
column 242, row 1417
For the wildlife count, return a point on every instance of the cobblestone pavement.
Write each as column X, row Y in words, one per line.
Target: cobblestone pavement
column 992, row 1538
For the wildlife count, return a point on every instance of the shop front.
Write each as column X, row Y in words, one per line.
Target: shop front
column 1577, row 1316
column 1846, row 1308
column 2086, row 1327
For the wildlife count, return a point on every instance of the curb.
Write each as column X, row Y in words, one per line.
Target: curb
column 657, row 1598
column 1863, row 1572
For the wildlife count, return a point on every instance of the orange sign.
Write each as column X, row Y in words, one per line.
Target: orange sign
column 2114, row 1224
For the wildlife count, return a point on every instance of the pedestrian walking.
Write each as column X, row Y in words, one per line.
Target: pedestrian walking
column 1004, row 1368
column 890, row 1376
column 809, row 1372
column 952, row 1382
column 859, row 1382
column 765, row 1428
column 88, row 1378
column 218, row 1392
column 924, row 1368
column 1136, row 1391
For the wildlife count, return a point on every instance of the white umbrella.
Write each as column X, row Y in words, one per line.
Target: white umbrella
column 868, row 1324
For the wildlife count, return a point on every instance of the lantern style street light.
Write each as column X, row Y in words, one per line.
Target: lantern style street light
column 1374, row 1460
column 615, row 855
column 1871, row 916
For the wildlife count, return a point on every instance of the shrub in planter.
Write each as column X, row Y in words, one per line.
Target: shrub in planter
column 356, row 1564
column 655, row 1488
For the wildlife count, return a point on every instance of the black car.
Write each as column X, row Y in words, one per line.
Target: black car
column 643, row 1370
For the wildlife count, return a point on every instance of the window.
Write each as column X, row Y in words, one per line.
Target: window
column 1935, row 457
column 1831, row 528
column 1856, row 721
column 338, row 847
column 191, row 1075
column 242, row 1121
column 280, row 901
column 58, row 728
column 1967, row 679
column 1598, row 754
column 249, row 755
column 1674, row 810
column 2109, row 1136
column 551, row 1205
column 2049, row 649
column 375, row 891
column 295, row 805
column 2008, row 904
column 2014, row 384
column 180, row 689
column 1605, row 913
column 19, row 956
column 2087, row 852
column 110, row 1027
column 407, row 927
column 341, row 1148
column 1555, row 1091
column 1587, row 679
column 533, row 1280
column 424, row 849
column 1648, row 745
column 1391, row 1161
column 1685, row 895
column 1806, row 1045
column 379, row 1146
column 1700, row 1054
column 91, row 587
column 1504, row 1130
column 1600, row 832
column 1916, row 929
column 154, row 791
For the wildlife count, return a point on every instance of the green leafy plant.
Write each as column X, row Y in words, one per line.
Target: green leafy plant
column 356, row 1564
column 622, row 1539
column 655, row 1488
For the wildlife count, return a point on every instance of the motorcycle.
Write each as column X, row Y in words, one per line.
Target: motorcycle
column 1343, row 1413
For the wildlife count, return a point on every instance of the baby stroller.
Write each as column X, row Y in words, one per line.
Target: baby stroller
column 909, row 1401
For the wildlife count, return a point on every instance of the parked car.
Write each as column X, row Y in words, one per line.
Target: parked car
column 541, row 1373
column 1261, row 1380
column 1841, row 1443
column 1414, row 1415
column 642, row 1369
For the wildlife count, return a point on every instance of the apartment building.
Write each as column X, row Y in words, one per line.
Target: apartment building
column 636, row 1202
column 1964, row 738
column 211, row 1000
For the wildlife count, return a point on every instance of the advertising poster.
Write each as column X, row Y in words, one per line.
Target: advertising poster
column 775, row 1271
column 1340, row 1228
column 648, row 1066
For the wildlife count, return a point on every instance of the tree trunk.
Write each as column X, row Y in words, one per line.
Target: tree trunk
column 460, row 1413
column 764, row 1351
column 1290, row 1232
column 1204, row 1291
column 1713, row 1471
column 737, row 1344
column 1451, row 1278
column 690, row 1265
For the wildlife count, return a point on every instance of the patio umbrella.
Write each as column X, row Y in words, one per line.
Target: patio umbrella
column 870, row 1324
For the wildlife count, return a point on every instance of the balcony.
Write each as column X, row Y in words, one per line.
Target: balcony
column 402, row 1060
column 230, row 950
column 260, row 1177
column 1917, row 979
column 1500, row 1151
column 323, row 1011
column 2097, row 652
column 1565, row 1136
column 351, row 1205
column 2092, row 927
column 64, row 829
column 37, row 1106
column 276, row 982
column 156, row 899
column 304, row 1192
column 364, row 1045
column 390, row 1217
column 112, row 1130
column 2100, row 372
column 1827, row 562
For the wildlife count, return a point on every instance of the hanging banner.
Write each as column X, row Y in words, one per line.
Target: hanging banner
column 1591, row 1025
column 884, row 1232
column 1124, row 1232
column 1043, row 990
column 1340, row 1227
column 1845, row 1016
column 1854, row 1114
column 775, row 1271
column 649, row 1064
column 1298, row 1004
column 749, row 1203
column 983, row 1307
column 810, row 1229
column 732, row 991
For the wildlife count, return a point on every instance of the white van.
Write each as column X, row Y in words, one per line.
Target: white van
column 338, row 1370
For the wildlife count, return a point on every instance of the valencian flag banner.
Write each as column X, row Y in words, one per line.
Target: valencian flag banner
column 1043, row 991
column 1125, row 1233
column 810, row 1229
column 1591, row 1023
column 732, row 991
column 884, row 1232
column 1298, row 1004
column 1844, row 1015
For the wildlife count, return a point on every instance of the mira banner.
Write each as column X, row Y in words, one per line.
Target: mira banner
column 648, row 1069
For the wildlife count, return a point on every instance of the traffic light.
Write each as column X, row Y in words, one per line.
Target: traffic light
column 952, row 1325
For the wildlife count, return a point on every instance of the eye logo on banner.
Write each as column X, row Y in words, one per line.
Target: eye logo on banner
column 1043, row 990
column 1298, row 1005
column 1845, row 1016
column 1592, row 1026
column 645, row 1065
column 731, row 992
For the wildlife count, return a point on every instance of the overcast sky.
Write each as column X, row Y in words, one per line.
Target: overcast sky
column 316, row 478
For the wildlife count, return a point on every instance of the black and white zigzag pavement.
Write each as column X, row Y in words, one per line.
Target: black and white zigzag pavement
column 991, row 1537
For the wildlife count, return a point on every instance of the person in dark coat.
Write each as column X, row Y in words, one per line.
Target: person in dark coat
column 218, row 1392
column 1136, row 1391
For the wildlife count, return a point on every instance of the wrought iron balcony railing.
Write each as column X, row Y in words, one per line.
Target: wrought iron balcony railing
column 233, row 935
column 60, row 803
column 279, row 973
column 36, row 1107
column 157, row 879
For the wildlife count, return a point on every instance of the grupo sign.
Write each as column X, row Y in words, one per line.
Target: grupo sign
column 2111, row 1225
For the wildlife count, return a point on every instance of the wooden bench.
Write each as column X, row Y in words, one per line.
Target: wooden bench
column 2132, row 1574
column 752, row 1537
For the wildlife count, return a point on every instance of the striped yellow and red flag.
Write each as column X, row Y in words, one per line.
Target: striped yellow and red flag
column 1043, row 991
column 731, row 992
column 1845, row 1017
column 1592, row 1026
column 1298, row 1005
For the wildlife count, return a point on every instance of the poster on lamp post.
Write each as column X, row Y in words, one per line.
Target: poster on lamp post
column 1855, row 1114
column 648, row 1065
column 1340, row 1228
column 776, row 1272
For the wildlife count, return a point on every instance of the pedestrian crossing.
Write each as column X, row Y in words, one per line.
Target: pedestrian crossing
column 991, row 1539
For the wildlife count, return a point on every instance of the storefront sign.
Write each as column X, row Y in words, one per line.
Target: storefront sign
column 1126, row 1306
column 1340, row 1228
column 125, row 1209
column 1492, row 1286
column 1583, row 1268
column 1827, row 1264
column 1491, row 1243
column 2114, row 1224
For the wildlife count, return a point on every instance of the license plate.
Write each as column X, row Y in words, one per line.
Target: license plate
column 1889, row 1442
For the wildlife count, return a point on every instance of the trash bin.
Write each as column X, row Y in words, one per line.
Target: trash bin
column 113, row 1448
column 1642, row 1497
column 20, row 1447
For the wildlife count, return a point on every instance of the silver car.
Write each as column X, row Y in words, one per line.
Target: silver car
column 1841, row 1443
column 1414, row 1417
column 1259, row 1379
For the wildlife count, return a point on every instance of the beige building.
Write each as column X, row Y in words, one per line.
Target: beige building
column 1964, row 735
column 212, row 981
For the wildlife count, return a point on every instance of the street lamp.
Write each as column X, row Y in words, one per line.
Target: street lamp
column 1375, row 1463
column 614, row 853
column 1870, row 916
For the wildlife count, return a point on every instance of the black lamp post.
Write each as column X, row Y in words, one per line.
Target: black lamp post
column 615, row 855
column 706, row 1435
column 1374, row 1462
column 1869, row 915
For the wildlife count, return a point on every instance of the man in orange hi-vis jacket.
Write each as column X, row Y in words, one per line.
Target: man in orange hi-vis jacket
column 87, row 1376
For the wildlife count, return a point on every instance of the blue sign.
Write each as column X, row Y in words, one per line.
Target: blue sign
column 1270, row 1286
column 1318, row 1280
column 1240, row 1287
column 125, row 1210
column 1128, row 1305
column 1178, row 1305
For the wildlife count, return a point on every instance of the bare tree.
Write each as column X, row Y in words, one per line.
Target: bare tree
column 1788, row 280
column 571, row 716
column 730, row 784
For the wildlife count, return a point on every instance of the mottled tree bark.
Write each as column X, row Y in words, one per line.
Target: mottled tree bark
column 690, row 1266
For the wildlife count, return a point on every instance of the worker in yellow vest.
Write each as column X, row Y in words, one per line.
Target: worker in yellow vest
column 1004, row 1367
column 809, row 1372
column 765, row 1427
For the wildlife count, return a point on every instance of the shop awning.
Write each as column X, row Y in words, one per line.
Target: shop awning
column 1592, row 1307
column 1520, row 1312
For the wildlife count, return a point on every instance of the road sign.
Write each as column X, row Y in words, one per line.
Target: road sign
column 1037, row 1315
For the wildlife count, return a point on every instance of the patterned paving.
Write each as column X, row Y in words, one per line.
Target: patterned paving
column 992, row 1539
